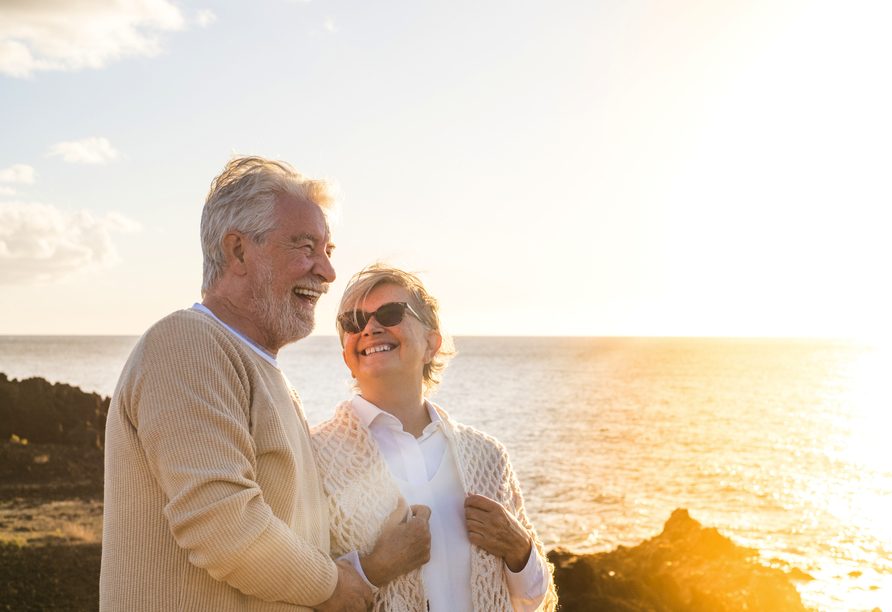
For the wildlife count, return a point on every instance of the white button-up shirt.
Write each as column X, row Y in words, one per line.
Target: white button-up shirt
column 416, row 461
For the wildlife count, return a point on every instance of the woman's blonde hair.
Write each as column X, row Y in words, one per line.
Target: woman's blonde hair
column 425, row 305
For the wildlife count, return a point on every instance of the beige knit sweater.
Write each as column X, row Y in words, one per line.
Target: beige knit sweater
column 212, row 497
column 362, row 493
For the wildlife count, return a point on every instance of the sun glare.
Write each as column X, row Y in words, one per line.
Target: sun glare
column 777, row 208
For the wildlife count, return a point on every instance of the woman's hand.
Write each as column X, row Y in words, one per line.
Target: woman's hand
column 495, row 530
column 402, row 546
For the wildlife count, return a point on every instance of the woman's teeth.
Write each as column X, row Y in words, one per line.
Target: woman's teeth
column 377, row 349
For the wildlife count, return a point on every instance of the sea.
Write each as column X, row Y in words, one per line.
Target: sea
column 784, row 445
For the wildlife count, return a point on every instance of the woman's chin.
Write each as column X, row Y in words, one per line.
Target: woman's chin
column 377, row 374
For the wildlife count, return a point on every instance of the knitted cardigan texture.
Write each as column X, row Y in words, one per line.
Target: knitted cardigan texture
column 362, row 493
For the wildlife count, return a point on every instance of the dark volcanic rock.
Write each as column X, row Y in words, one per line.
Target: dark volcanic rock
column 47, row 413
column 42, row 473
column 687, row 568
column 42, row 578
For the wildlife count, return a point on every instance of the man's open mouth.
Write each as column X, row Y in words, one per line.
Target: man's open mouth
column 307, row 294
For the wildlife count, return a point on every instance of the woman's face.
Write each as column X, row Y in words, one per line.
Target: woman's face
column 397, row 354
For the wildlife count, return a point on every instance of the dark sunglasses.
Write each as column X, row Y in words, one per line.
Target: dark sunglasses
column 388, row 315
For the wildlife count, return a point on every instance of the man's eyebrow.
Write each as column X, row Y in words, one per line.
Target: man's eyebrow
column 311, row 238
column 305, row 236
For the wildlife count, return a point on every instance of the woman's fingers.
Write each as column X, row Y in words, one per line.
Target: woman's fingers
column 483, row 503
column 402, row 546
column 420, row 511
column 398, row 516
column 491, row 527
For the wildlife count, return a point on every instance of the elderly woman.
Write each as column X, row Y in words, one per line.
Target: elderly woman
column 389, row 443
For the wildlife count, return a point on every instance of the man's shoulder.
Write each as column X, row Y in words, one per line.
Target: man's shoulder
column 188, row 334
column 188, row 350
column 185, row 318
column 188, row 326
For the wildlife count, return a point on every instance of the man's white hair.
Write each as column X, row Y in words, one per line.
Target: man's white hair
column 243, row 199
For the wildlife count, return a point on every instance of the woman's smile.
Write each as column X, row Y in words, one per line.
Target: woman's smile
column 380, row 348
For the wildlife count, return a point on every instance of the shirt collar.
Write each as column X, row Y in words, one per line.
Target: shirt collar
column 267, row 355
column 368, row 412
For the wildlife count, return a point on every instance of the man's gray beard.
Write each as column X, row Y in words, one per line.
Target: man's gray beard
column 281, row 319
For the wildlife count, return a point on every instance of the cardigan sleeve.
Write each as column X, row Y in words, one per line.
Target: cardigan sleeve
column 548, row 601
column 190, row 405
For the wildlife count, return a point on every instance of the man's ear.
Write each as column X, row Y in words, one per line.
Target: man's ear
column 234, row 244
column 434, row 342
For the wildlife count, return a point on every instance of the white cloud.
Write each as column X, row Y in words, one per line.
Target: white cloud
column 330, row 25
column 18, row 173
column 86, row 151
column 7, row 191
column 205, row 18
column 66, row 35
column 40, row 243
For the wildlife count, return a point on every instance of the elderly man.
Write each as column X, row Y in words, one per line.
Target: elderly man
column 212, row 497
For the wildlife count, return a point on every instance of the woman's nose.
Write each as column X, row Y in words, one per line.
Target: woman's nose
column 372, row 327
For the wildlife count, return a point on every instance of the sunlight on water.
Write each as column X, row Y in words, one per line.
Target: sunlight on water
column 863, row 502
column 779, row 444
column 783, row 445
column 871, row 411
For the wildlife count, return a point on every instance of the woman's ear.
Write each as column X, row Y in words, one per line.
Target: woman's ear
column 434, row 342
column 346, row 363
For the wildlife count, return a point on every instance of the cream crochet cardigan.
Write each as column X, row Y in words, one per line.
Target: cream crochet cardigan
column 362, row 493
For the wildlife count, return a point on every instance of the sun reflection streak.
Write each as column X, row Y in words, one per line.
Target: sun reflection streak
column 869, row 410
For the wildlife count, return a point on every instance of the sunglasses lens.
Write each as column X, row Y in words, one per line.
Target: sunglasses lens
column 387, row 315
column 390, row 314
column 350, row 324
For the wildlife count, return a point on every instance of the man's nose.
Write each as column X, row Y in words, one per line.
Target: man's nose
column 325, row 269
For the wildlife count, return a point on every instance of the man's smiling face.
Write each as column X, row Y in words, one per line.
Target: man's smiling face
column 290, row 271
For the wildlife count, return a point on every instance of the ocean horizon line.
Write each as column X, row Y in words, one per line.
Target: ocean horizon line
column 851, row 339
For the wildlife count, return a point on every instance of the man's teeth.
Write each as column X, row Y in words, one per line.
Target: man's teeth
column 307, row 292
column 378, row 349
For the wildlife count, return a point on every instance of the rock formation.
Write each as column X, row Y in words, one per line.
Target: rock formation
column 45, row 413
column 686, row 568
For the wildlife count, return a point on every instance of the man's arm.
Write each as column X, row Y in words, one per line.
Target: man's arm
column 190, row 407
column 352, row 593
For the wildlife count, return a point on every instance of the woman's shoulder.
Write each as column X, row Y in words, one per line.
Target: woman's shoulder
column 471, row 437
column 344, row 447
column 342, row 420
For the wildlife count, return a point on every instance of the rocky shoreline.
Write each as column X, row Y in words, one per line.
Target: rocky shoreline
column 51, row 516
column 686, row 568
column 46, row 413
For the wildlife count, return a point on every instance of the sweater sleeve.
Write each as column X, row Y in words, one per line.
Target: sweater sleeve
column 190, row 406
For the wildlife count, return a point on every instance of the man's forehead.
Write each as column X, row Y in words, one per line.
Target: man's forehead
column 303, row 220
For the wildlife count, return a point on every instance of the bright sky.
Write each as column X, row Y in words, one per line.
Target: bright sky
column 595, row 167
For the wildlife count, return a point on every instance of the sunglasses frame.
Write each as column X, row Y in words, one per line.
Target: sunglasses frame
column 353, row 317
